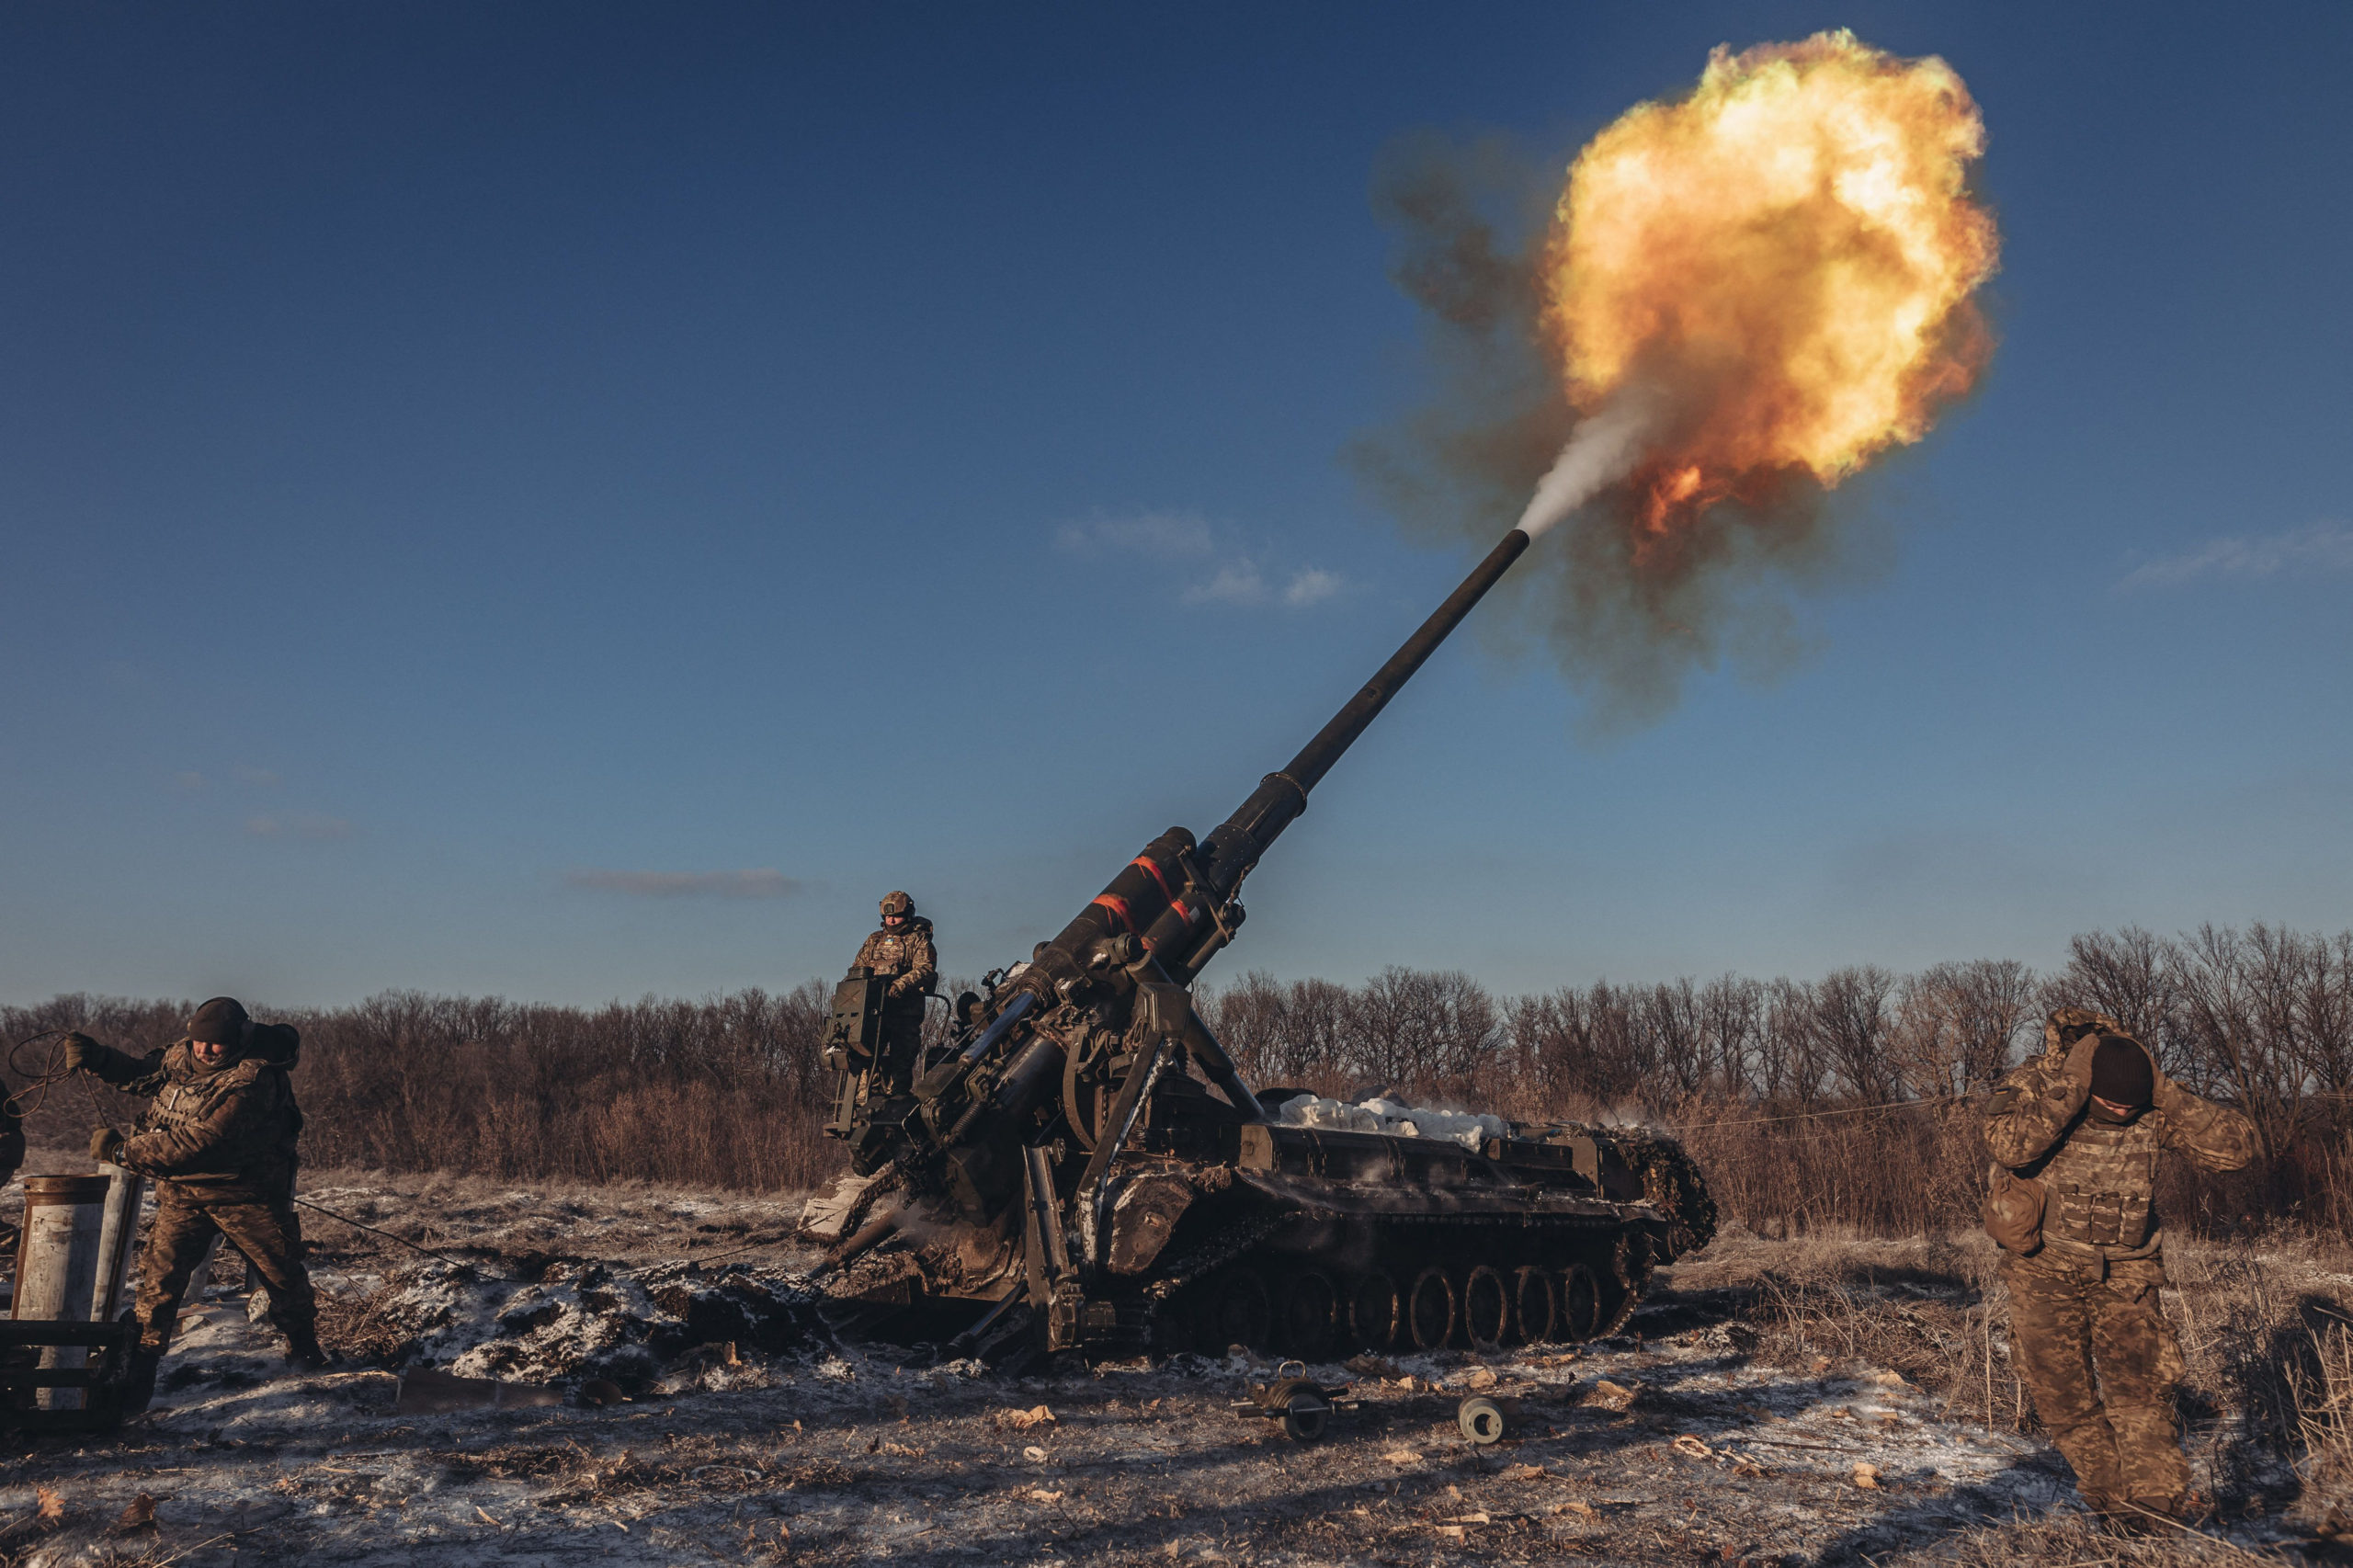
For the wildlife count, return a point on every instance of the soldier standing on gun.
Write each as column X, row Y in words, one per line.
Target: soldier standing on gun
column 219, row 1143
column 2086, row 1121
column 901, row 950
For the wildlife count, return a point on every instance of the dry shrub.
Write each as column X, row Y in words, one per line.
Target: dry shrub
column 1932, row 1309
column 2265, row 1325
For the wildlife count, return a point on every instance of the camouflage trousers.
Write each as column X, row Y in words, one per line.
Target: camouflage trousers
column 2100, row 1360
column 268, row 1236
column 898, row 1050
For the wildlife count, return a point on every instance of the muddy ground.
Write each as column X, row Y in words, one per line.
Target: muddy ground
column 1702, row 1436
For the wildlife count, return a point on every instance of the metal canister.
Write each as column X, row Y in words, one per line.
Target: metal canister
column 57, row 1265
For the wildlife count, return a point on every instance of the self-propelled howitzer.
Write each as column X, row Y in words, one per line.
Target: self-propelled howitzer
column 1058, row 1155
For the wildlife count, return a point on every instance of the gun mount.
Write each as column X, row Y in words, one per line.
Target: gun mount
column 1068, row 1162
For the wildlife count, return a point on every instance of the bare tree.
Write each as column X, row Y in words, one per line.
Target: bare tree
column 1679, row 1039
column 1733, row 1012
column 1851, row 1017
column 2220, row 1011
column 2130, row 976
column 1956, row 1024
column 1433, row 1028
column 1789, row 1047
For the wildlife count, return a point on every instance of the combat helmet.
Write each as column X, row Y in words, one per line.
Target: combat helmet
column 897, row 904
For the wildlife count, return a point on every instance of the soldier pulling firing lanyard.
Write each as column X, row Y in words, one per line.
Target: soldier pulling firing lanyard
column 219, row 1143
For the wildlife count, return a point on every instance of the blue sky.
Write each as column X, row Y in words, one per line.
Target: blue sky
column 571, row 500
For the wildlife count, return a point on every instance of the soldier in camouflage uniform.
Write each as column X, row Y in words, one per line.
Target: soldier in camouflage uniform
column 219, row 1143
column 903, row 951
column 2087, row 1119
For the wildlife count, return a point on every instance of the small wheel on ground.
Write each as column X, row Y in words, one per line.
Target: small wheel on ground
column 1429, row 1310
column 1239, row 1312
column 1304, row 1418
column 1481, row 1420
column 1303, row 1327
column 1580, row 1300
column 1376, row 1311
column 1486, row 1308
column 1531, row 1306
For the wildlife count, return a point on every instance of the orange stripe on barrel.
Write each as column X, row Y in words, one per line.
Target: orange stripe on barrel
column 1118, row 907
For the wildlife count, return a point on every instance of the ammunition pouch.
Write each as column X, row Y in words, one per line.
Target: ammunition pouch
column 2013, row 1212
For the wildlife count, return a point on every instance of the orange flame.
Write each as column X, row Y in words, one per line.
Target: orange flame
column 1788, row 255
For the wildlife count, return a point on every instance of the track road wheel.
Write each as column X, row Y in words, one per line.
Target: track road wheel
column 1580, row 1300
column 1623, row 1281
column 1486, row 1308
column 1429, row 1310
column 1239, row 1312
column 1531, row 1307
column 1376, row 1311
column 1304, row 1327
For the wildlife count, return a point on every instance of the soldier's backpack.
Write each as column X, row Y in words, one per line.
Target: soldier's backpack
column 2014, row 1212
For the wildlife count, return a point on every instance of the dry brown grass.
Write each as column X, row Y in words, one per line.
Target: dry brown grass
column 2266, row 1324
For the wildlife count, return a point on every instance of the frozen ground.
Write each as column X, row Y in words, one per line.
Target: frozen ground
column 1678, row 1444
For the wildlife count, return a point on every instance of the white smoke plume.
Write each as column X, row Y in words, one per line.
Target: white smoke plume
column 1603, row 451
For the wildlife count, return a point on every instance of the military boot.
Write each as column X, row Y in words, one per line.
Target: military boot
column 138, row 1388
column 303, row 1352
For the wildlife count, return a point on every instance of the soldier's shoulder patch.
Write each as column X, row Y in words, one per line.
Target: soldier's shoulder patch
column 2005, row 1099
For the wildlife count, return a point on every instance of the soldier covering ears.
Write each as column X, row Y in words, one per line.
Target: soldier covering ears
column 2083, row 1122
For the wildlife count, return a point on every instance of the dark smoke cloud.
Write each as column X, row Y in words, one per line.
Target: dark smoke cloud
column 1628, row 628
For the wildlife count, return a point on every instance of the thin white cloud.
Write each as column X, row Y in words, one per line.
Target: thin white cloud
column 260, row 778
column 1235, row 583
column 761, row 883
column 1311, row 586
column 1223, row 571
column 188, row 778
column 1165, row 536
column 2318, row 548
column 317, row 827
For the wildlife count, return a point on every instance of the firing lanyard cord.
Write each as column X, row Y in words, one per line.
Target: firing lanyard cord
column 373, row 1231
column 48, row 1078
column 1819, row 1114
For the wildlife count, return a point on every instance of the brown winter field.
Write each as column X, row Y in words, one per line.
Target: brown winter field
column 1727, row 1426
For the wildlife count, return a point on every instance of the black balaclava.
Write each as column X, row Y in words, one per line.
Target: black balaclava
column 2122, row 1073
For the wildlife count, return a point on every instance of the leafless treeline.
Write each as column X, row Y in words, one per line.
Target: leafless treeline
column 1851, row 1098
column 727, row 1091
column 1854, row 1098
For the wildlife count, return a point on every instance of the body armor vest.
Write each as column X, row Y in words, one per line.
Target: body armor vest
column 2100, row 1183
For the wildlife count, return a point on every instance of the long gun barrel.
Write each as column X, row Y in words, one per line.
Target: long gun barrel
column 1176, row 896
column 1146, row 936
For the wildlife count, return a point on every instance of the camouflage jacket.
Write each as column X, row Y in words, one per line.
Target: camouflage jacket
column 219, row 1132
column 906, row 955
column 2099, row 1178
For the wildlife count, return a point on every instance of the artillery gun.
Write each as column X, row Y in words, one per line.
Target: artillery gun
column 1054, row 1151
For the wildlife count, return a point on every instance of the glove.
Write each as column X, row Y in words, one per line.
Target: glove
column 105, row 1145
column 2079, row 1071
column 81, row 1051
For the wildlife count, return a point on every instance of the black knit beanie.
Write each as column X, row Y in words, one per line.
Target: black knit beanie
column 220, row 1021
column 2121, row 1072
